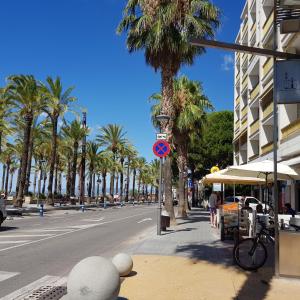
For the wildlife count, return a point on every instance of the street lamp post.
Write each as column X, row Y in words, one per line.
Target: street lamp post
column 160, row 118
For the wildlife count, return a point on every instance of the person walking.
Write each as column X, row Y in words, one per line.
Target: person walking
column 212, row 202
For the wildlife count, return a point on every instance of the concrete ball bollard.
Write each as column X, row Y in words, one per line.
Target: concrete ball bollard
column 93, row 278
column 123, row 263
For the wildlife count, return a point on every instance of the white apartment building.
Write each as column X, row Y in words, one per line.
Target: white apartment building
column 253, row 98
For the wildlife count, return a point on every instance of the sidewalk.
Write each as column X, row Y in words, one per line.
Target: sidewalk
column 189, row 262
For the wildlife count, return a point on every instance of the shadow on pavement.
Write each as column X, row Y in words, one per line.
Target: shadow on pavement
column 255, row 286
column 168, row 231
column 8, row 228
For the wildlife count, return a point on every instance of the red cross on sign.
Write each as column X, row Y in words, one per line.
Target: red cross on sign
column 161, row 148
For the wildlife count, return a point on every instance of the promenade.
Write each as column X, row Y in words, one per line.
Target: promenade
column 189, row 262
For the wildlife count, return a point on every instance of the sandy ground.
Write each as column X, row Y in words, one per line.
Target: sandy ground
column 178, row 278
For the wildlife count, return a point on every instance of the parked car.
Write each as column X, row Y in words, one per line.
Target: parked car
column 3, row 213
column 253, row 202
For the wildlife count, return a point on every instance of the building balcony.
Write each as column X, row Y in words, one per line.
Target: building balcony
column 252, row 30
column 237, row 101
column 254, row 127
column 244, row 112
column 267, row 148
column 291, row 130
column 244, row 31
column 254, row 93
column 238, row 57
column 268, row 110
column 268, row 24
column 237, row 76
column 245, row 82
column 244, row 124
column 237, row 128
column 268, row 65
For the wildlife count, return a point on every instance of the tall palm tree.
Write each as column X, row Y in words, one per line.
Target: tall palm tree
column 162, row 29
column 190, row 106
column 75, row 132
column 24, row 91
column 92, row 156
column 57, row 104
column 104, row 165
column 112, row 136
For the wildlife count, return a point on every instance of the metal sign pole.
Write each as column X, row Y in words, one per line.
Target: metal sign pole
column 275, row 141
column 159, row 197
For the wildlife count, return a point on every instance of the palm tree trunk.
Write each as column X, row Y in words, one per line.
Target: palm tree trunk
column 151, row 191
column 40, row 181
column 56, row 175
column 133, row 184
column 117, row 183
column 74, row 169
column 7, row 178
column 98, row 186
column 90, row 183
column 54, row 120
column 167, row 82
column 112, row 183
column 3, row 176
column 139, row 188
column 68, row 181
column 127, row 179
column 59, row 183
column 182, row 167
column 26, row 142
column 121, row 180
column 44, row 183
column 11, row 181
column 35, row 180
column 94, row 185
column 28, row 174
column 19, row 177
column 103, row 186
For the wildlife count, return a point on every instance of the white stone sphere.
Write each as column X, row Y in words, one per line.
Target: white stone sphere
column 123, row 263
column 93, row 278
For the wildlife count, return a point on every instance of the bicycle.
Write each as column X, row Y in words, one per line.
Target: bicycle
column 251, row 253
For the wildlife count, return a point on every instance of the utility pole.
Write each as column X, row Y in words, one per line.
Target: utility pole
column 83, row 159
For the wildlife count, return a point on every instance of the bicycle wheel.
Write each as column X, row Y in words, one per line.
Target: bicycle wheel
column 249, row 254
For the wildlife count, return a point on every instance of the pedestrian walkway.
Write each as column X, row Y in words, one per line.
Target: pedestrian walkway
column 189, row 262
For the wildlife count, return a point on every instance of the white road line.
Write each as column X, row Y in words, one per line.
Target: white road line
column 144, row 220
column 7, row 275
column 24, row 235
column 92, row 220
column 28, row 289
column 71, row 231
column 14, row 242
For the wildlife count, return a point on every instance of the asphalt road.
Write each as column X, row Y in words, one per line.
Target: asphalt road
column 33, row 247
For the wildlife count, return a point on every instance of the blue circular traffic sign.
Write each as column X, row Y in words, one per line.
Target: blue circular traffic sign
column 161, row 148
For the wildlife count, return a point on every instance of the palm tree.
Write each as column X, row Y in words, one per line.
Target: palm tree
column 112, row 136
column 57, row 104
column 9, row 156
column 190, row 106
column 24, row 91
column 92, row 156
column 162, row 29
column 75, row 132
column 141, row 164
column 104, row 164
column 155, row 164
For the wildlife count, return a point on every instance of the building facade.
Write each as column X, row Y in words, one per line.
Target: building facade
column 253, row 97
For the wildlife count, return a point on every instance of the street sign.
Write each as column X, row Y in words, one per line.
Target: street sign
column 290, row 3
column 161, row 148
column 161, row 136
column 288, row 81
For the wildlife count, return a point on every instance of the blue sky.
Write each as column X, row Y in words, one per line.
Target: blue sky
column 76, row 40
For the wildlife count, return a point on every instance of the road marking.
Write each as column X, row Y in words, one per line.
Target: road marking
column 7, row 275
column 71, row 231
column 144, row 220
column 28, row 289
column 14, row 242
column 93, row 220
column 24, row 235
